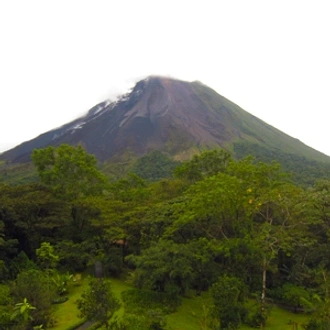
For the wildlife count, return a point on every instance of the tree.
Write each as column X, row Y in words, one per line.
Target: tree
column 154, row 166
column 70, row 171
column 98, row 303
column 164, row 265
column 46, row 256
column 37, row 288
column 206, row 164
column 229, row 294
column 272, row 200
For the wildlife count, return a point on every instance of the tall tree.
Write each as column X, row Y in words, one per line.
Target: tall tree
column 70, row 171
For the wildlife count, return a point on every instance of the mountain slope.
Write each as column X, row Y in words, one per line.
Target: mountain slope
column 169, row 115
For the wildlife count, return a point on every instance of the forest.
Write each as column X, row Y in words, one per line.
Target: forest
column 243, row 231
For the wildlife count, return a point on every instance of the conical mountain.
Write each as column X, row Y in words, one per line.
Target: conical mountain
column 169, row 115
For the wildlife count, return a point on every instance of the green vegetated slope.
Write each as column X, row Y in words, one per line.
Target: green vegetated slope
column 157, row 165
column 18, row 173
column 253, row 130
column 303, row 170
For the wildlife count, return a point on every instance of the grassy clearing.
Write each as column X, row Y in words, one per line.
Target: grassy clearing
column 190, row 315
column 280, row 319
column 118, row 286
column 66, row 314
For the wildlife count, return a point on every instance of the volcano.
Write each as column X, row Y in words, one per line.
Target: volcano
column 169, row 115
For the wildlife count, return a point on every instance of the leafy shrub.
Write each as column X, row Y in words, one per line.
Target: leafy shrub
column 293, row 295
column 253, row 316
column 229, row 295
column 150, row 300
column 317, row 325
column 37, row 287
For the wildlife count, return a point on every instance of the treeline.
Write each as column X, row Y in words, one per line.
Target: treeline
column 241, row 229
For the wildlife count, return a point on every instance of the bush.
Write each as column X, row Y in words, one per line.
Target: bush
column 140, row 300
column 98, row 302
column 38, row 289
column 317, row 325
column 229, row 295
column 295, row 296
column 253, row 316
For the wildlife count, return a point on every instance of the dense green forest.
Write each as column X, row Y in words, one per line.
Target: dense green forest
column 240, row 230
column 305, row 171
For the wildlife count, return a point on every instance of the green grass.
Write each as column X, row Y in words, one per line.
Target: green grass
column 280, row 319
column 189, row 316
column 66, row 314
column 118, row 286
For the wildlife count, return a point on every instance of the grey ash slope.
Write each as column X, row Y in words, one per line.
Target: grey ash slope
column 168, row 115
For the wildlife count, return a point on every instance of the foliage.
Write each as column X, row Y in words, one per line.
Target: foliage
column 154, row 166
column 70, row 171
column 74, row 257
column 61, row 282
column 229, row 294
column 36, row 287
column 241, row 221
column 206, row 164
column 304, row 171
column 5, row 307
column 145, row 310
column 98, row 303
column 163, row 267
column 46, row 256
column 317, row 325
column 294, row 295
column 139, row 300
column 150, row 319
column 22, row 312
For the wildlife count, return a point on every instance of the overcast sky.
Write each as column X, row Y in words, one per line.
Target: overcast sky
column 60, row 58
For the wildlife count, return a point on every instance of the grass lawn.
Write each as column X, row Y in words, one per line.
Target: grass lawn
column 118, row 286
column 281, row 319
column 189, row 316
column 66, row 314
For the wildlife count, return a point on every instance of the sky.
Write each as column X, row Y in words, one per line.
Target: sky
column 60, row 58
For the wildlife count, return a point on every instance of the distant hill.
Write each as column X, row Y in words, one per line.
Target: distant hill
column 175, row 117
